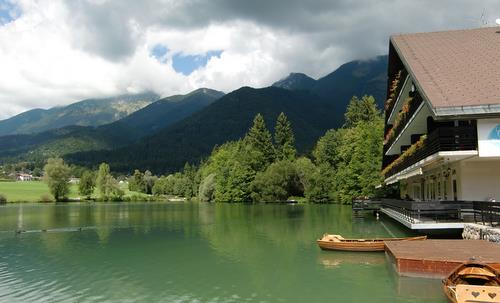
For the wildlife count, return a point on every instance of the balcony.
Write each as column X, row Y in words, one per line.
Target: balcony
column 393, row 91
column 460, row 138
column 409, row 108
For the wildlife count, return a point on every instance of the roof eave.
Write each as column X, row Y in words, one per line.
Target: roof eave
column 476, row 111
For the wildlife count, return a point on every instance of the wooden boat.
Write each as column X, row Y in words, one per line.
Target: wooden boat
column 337, row 242
column 473, row 282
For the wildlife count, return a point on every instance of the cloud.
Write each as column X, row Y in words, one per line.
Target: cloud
column 55, row 52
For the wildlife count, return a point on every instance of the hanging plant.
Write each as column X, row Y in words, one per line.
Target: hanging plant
column 401, row 116
column 407, row 153
column 392, row 90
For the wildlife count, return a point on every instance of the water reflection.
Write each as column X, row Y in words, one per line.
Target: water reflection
column 332, row 259
column 163, row 252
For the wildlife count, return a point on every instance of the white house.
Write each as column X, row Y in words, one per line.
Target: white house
column 442, row 131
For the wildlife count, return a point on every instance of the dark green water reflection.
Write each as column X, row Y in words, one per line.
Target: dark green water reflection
column 159, row 252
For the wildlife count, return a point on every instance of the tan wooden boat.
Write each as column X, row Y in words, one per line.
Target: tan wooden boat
column 473, row 282
column 337, row 242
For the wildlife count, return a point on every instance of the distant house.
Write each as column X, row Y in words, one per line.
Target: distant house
column 24, row 177
column 442, row 115
column 74, row 180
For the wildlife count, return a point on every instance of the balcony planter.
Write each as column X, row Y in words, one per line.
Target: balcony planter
column 402, row 116
column 441, row 139
column 406, row 154
column 392, row 91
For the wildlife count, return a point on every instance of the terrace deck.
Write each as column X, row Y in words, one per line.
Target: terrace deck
column 437, row 258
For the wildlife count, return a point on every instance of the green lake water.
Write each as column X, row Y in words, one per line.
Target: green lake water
column 164, row 252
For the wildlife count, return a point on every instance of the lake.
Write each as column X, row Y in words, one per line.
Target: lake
column 189, row 252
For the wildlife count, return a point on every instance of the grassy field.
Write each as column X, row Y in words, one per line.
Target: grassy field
column 32, row 191
column 29, row 191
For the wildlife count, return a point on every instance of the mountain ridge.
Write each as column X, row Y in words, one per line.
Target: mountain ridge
column 88, row 112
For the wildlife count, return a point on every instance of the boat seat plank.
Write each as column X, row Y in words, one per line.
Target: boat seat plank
column 477, row 294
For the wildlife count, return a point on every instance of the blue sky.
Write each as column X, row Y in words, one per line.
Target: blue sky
column 184, row 64
column 8, row 12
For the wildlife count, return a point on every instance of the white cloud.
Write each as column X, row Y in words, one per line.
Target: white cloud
column 59, row 51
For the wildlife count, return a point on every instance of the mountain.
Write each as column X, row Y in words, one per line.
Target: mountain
column 226, row 119
column 169, row 132
column 56, row 142
column 360, row 77
column 71, row 139
column 165, row 112
column 91, row 112
column 296, row 81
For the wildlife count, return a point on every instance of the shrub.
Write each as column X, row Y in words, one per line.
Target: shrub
column 3, row 199
column 45, row 198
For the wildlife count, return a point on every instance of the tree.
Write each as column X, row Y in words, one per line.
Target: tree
column 278, row 182
column 57, row 175
column 102, row 179
column 87, row 184
column 305, row 170
column 37, row 172
column 188, row 176
column 284, row 139
column 361, row 110
column 207, row 189
column 107, row 186
column 136, row 182
column 361, row 159
column 327, row 148
column 149, row 181
column 259, row 138
column 321, row 188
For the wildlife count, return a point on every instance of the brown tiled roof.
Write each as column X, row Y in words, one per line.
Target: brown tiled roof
column 454, row 68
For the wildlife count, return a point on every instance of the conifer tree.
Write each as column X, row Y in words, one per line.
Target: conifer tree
column 87, row 184
column 361, row 110
column 260, row 139
column 102, row 181
column 284, row 139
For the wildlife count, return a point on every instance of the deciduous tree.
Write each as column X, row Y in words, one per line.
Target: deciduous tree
column 57, row 175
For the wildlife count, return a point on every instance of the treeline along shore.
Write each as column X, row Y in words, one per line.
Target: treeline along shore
column 260, row 167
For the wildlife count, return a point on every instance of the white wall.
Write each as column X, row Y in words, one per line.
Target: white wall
column 479, row 180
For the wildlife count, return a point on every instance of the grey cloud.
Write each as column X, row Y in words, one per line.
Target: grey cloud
column 357, row 28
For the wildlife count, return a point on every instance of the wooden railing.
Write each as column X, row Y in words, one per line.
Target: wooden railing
column 441, row 139
column 487, row 212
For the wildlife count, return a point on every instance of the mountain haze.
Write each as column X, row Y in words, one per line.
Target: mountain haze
column 70, row 139
column 90, row 112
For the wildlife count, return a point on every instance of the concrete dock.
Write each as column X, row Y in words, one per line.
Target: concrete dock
column 437, row 258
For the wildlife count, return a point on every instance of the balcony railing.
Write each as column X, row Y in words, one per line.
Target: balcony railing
column 402, row 119
column 441, row 139
column 390, row 103
column 486, row 213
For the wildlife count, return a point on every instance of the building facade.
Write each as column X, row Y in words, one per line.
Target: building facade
column 442, row 115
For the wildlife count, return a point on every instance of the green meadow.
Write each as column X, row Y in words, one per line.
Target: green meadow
column 36, row 191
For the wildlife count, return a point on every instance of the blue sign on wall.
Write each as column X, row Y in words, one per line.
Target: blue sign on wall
column 495, row 133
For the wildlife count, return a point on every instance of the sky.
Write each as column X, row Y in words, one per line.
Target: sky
column 56, row 52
